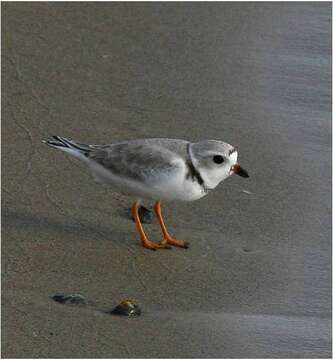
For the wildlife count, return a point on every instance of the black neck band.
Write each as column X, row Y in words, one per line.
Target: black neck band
column 193, row 172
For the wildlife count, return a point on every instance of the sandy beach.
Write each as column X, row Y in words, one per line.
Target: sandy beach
column 256, row 280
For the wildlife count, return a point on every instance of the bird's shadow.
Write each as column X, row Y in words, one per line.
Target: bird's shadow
column 39, row 224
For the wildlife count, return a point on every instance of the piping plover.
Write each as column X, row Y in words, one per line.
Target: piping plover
column 159, row 169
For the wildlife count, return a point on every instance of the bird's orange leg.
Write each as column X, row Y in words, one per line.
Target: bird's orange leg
column 168, row 239
column 145, row 242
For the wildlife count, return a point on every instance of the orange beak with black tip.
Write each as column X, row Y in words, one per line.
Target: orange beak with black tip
column 237, row 169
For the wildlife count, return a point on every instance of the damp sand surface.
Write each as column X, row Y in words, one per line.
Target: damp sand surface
column 256, row 281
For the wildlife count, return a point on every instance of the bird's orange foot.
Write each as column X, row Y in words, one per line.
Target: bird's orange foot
column 174, row 242
column 152, row 246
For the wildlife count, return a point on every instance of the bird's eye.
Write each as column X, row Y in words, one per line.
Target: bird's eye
column 218, row 159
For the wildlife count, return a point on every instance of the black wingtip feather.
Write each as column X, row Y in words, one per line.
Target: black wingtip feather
column 59, row 139
column 56, row 142
column 63, row 142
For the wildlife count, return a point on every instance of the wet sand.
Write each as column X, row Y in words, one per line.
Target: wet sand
column 256, row 281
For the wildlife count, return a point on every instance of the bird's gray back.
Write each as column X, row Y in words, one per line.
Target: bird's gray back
column 141, row 160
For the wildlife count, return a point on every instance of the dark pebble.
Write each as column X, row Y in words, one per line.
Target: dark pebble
column 146, row 216
column 73, row 299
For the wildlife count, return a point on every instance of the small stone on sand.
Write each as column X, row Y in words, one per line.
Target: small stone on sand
column 72, row 299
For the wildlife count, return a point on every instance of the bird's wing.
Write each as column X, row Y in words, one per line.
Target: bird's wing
column 139, row 162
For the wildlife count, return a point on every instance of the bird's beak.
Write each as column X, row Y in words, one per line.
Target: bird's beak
column 237, row 169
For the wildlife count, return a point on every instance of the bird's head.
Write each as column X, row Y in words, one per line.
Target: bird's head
column 215, row 160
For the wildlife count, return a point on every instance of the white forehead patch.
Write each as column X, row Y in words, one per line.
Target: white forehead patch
column 233, row 157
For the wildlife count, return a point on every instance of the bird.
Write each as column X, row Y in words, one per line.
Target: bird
column 159, row 169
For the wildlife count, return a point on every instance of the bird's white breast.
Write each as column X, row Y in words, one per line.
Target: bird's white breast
column 173, row 186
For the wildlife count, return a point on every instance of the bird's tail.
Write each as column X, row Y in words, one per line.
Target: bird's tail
column 79, row 150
